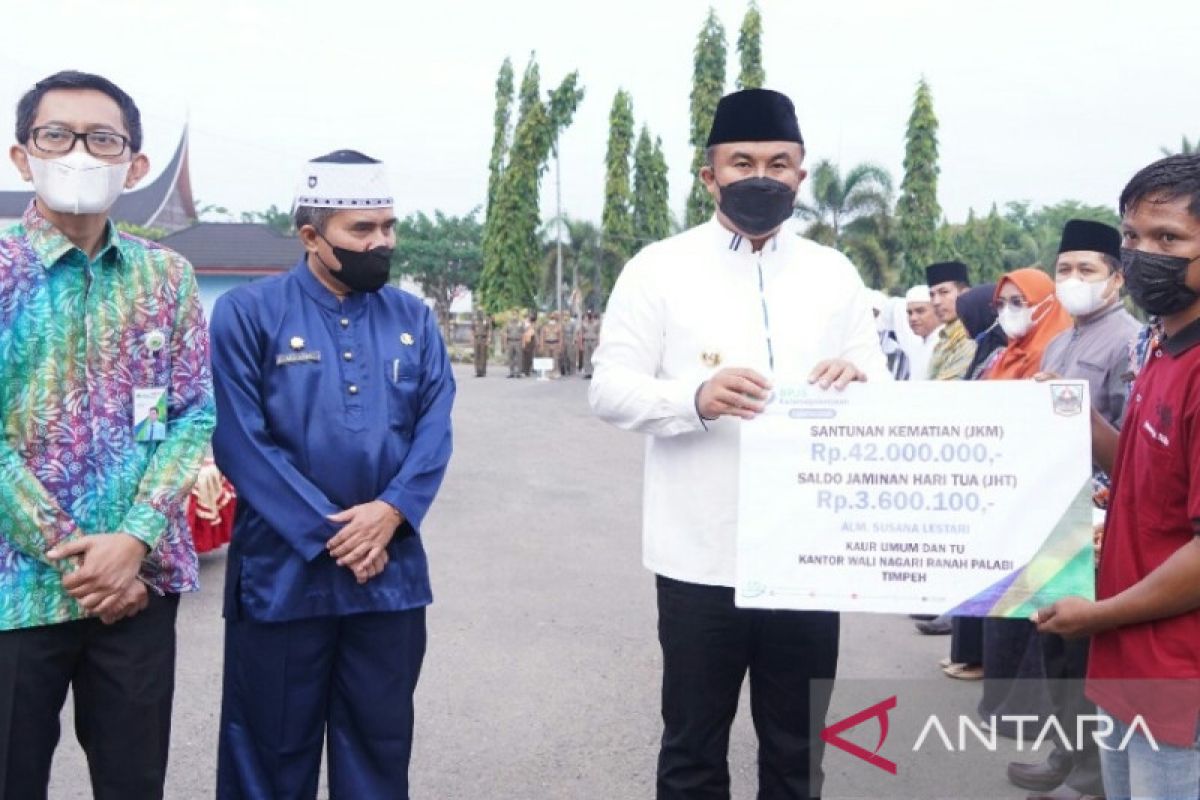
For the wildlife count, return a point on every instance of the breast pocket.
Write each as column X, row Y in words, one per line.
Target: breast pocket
column 403, row 393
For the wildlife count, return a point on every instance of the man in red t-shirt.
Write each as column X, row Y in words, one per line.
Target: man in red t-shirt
column 1144, row 667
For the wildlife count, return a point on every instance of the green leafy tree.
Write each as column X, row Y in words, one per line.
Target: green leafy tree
column 443, row 254
column 708, row 84
column 837, row 199
column 274, row 218
column 918, row 211
column 512, row 254
column 616, row 222
column 211, row 212
column 582, row 256
column 978, row 243
column 853, row 213
column 1021, row 236
column 1049, row 221
column 872, row 244
column 493, row 280
column 501, row 122
column 651, row 205
column 1186, row 148
column 749, row 45
column 141, row 231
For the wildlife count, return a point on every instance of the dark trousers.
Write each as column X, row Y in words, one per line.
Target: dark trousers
column 966, row 640
column 123, row 680
column 1065, row 661
column 708, row 647
column 289, row 684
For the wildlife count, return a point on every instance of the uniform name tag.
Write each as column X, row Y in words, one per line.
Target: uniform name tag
column 284, row 359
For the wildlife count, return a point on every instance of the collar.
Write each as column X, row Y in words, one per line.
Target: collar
column 953, row 330
column 737, row 243
column 50, row 244
column 321, row 294
column 1185, row 339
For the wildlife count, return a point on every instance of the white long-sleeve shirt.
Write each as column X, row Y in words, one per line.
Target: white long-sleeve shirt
column 685, row 308
column 918, row 349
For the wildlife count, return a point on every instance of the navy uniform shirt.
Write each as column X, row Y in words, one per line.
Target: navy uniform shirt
column 323, row 404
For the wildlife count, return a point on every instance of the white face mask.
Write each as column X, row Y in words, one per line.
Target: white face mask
column 1081, row 298
column 1015, row 322
column 78, row 183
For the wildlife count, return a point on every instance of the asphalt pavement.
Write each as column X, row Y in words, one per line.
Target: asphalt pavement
column 541, row 680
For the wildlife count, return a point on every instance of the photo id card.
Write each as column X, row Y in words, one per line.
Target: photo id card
column 150, row 414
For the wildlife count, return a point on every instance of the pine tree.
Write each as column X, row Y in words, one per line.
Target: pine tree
column 616, row 222
column 512, row 262
column 651, row 208
column 502, row 120
column 500, row 145
column 988, row 265
column 749, row 45
column 918, row 211
column 708, row 84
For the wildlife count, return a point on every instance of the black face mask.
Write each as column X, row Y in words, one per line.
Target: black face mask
column 362, row 270
column 1156, row 282
column 757, row 205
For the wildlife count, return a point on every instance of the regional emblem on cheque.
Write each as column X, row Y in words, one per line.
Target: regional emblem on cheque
column 1068, row 399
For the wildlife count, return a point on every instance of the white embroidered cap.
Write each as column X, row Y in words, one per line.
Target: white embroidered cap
column 344, row 179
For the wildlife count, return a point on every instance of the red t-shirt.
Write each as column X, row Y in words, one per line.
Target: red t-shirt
column 1153, row 512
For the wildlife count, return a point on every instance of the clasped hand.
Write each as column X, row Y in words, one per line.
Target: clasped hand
column 104, row 578
column 361, row 544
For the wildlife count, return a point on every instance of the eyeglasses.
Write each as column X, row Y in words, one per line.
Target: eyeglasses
column 58, row 140
column 1015, row 302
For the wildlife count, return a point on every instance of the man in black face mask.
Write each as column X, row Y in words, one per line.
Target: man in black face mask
column 698, row 329
column 333, row 396
column 1144, row 663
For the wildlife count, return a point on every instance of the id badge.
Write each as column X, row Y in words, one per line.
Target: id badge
column 150, row 414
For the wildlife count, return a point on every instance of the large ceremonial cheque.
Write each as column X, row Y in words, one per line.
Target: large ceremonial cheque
column 966, row 497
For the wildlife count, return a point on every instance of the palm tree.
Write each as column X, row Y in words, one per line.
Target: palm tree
column 872, row 244
column 581, row 248
column 866, row 189
column 1186, row 148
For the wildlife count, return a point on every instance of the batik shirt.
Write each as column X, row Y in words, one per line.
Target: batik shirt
column 78, row 336
column 953, row 354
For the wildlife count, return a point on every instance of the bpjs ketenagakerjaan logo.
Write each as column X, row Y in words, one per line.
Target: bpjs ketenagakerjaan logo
column 962, row 733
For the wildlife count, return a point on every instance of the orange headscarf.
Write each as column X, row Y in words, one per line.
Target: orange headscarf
column 1023, row 357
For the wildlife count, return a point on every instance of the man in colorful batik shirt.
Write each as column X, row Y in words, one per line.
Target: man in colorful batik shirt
column 96, row 328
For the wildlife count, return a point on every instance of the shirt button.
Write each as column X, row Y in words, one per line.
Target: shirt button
column 353, row 389
column 348, row 356
column 345, row 322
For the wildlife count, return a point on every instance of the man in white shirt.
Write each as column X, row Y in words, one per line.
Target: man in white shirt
column 698, row 329
column 921, row 336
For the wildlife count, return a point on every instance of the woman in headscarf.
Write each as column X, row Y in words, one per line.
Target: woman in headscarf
column 976, row 308
column 1030, row 315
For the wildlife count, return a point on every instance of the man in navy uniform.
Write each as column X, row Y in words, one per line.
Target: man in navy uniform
column 334, row 393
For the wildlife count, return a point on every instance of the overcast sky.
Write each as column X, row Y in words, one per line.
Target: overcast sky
column 1037, row 100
